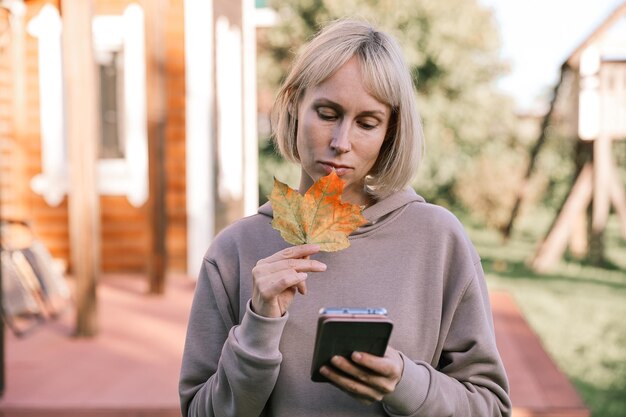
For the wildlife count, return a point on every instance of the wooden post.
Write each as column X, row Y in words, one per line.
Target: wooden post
column 80, row 80
column 552, row 248
column 618, row 199
column 602, row 173
column 602, row 179
column 579, row 236
column 155, row 13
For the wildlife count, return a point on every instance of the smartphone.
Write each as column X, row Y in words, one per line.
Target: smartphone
column 341, row 331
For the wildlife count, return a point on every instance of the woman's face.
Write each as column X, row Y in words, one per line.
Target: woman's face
column 341, row 127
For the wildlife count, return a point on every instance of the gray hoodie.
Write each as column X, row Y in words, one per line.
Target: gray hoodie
column 412, row 258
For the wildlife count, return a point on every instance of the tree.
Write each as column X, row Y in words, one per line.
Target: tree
column 452, row 49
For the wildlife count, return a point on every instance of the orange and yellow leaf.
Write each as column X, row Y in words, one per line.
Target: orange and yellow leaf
column 319, row 216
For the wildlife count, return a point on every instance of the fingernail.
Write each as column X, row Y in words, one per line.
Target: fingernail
column 324, row 370
column 357, row 356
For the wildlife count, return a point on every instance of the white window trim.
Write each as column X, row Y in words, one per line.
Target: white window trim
column 250, row 114
column 124, row 176
column 53, row 182
column 199, row 128
column 229, row 95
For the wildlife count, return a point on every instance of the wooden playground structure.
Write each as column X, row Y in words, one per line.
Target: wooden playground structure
column 590, row 101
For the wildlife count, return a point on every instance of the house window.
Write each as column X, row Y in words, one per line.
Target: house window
column 119, row 51
column 111, row 111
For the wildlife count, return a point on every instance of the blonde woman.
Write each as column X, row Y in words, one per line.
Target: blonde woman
column 347, row 106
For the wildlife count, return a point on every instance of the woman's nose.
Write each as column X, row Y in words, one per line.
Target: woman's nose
column 341, row 138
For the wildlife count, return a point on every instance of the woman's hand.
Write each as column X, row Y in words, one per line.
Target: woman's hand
column 366, row 377
column 277, row 278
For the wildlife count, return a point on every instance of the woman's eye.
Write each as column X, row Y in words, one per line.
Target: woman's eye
column 326, row 114
column 367, row 125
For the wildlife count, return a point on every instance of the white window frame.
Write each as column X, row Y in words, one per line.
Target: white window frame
column 120, row 176
column 53, row 182
column 199, row 130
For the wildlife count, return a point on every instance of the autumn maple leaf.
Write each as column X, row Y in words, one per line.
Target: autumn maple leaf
column 319, row 216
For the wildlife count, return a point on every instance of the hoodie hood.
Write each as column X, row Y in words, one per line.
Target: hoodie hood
column 377, row 212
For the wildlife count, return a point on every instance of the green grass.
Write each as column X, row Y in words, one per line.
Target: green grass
column 578, row 310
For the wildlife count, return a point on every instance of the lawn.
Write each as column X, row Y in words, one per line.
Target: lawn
column 578, row 311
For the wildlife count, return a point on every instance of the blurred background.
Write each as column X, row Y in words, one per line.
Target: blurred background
column 132, row 132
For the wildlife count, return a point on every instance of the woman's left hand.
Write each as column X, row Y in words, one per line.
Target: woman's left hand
column 366, row 377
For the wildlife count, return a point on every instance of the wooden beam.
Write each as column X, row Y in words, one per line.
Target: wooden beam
column 618, row 200
column 603, row 172
column 574, row 59
column 579, row 236
column 553, row 246
column 80, row 79
column 602, row 178
column 155, row 18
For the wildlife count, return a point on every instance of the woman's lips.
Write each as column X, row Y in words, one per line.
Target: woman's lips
column 339, row 169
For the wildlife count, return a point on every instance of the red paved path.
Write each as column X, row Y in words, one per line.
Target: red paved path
column 131, row 369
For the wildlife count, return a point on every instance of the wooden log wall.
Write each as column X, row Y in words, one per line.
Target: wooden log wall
column 20, row 139
column 176, row 228
column 124, row 234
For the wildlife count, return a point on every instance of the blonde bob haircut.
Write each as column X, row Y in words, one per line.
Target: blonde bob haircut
column 386, row 77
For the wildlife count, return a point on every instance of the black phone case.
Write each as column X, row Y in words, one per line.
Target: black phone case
column 338, row 335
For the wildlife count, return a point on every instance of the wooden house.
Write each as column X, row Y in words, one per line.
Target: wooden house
column 174, row 131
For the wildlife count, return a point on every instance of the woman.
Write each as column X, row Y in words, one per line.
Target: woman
column 348, row 106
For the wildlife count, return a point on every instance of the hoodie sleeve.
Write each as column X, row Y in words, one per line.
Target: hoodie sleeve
column 227, row 369
column 469, row 379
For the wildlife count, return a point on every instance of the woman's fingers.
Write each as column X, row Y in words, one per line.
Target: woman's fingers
column 350, row 385
column 366, row 376
column 301, row 286
column 299, row 265
column 277, row 278
column 390, row 365
column 272, row 295
column 286, row 268
column 275, row 284
column 380, row 383
column 292, row 252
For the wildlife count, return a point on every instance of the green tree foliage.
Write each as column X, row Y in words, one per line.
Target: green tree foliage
column 452, row 49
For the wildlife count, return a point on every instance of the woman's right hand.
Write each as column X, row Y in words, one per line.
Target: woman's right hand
column 277, row 278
